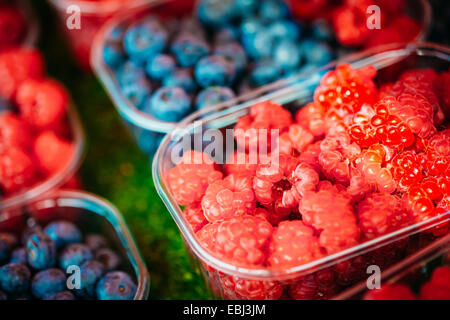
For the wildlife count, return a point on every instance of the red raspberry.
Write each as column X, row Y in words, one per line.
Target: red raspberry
column 17, row 65
column 16, row 170
column 317, row 286
column 74, row 182
column 293, row 243
column 311, row 156
column 349, row 24
column 307, row 9
column 351, row 271
column 438, row 288
column 52, row 152
column 380, row 213
column 390, row 292
column 12, row 26
column 399, row 29
column 311, row 117
column 330, row 212
column 295, row 141
column 243, row 163
column 189, row 179
column 406, row 170
column 443, row 83
column 195, row 217
column 42, row 103
column 13, row 131
column 265, row 115
column 358, row 188
column 232, row 196
column 235, row 288
column 239, row 240
column 438, row 154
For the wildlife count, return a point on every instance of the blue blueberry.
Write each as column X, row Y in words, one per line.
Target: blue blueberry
column 148, row 141
column 90, row 273
column 264, row 72
column 234, row 52
column 116, row 34
column 31, row 228
column 145, row 39
column 137, row 91
column 74, row 254
column 113, row 54
column 316, row 53
column 41, row 251
column 285, row 29
column 181, row 78
column 190, row 25
column 5, row 105
column 245, row 7
column 108, row 258
column 160, row 66
column 14, row 277
column 213, row 95
column 321, row 30
column 48, row 282
column 116, row 285
column 189, row 49
column 10, row 239
column 3, row 296
column 128, row 72
column 63, row 233
column 95, row 241
column 287, row 55
column 226, row 34
column 250, row 26
column 271, row 10
column 169, row 104
column 214, row 70
column 259, row 45
column 215, row 13
column 19, row 255
column 63, row 295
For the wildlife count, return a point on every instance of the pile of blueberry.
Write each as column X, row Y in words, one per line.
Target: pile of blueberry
column 57, row 263
column 168, row 69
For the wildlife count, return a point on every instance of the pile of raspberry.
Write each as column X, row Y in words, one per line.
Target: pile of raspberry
column 358, row 162
column 35, row 135
column 13, row 26
column 350, row 20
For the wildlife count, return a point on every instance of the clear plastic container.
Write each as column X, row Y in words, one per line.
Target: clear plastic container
column 414, row 271
column 33, row 28
column 58, row 179
column 293, row 93
column 93, row 215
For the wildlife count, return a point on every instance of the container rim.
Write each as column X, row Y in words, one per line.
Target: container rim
column 60, row 177
column 388, row 53
column 99, row 7
column 138, row 118
column 33, row 27
column 100, row 206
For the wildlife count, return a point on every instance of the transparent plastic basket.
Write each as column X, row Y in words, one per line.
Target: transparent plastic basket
column 414, row 271
column 293, row 93
column 93, row 215
column 32, row 33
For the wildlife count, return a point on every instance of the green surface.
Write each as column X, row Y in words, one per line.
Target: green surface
column 117, row 170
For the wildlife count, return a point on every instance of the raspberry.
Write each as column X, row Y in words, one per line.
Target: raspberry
column 311, row 117
column 265, row 115
column 12, row 26
column 317, row 286
column 311, row 156
column 390, row 292
column 330, row 212
column 232, row 196
column 17, row 65
column 16, row 170
column 438, row 288
column 52, row 152
column 235, row 288
column 293, row 243
column 295, row 140
column 195, row 217
column 350, row 271
column 438, row 153
column 239, row 240
column 443, row 83
column 42, row 103
column 189, row 179
column 379, row 213
column 13, row 131
column 350, row 26
column 242, row 163
column 406, row 170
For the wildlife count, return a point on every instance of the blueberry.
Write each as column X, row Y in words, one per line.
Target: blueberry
column 190, row 25
column 214, row 70
column 10, row 239
column 234, row 52
column 181, row 78
column 160, row 66
column 74, row 254
column 116, row 285
column 259, row 45
column 48, row 282
column 285, row 29
column 41, row 251
column 213, row 95
column 128, row 72
column 108, row 258
column 5, row 251
column 14, row 277
column 90, row 273
column 5, row 105
column 19, row 255
column 321, row 30
column 226, row 34
column 116, row 34
column 113, row 54
column 3, row 296
column 144, row 39
column 31, row 228
column 95, row 241
column 169, row 104
column 137, row 91
column 287, row 55
column 316, row 53
column 216, row 13
column 149, row 141
column 271, row 10
column 245, row 7
column 63, row 295
column 264, row 72
column 63, row 233
column 189, row 49
column 250, row 26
